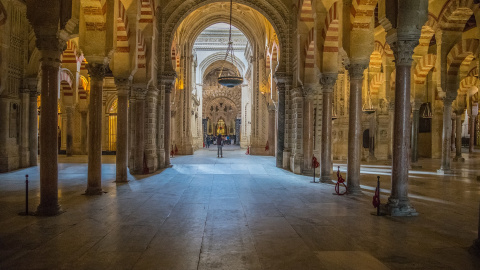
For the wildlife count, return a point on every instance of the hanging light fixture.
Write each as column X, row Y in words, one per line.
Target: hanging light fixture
column 230, row 80
column 368, row 106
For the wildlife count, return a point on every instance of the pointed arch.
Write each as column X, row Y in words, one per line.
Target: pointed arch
column 361, row 13
column 306, row 10
column 458, row 54
column 123, row 31
column 456, row 13
column 310, row 50
column 330, row 35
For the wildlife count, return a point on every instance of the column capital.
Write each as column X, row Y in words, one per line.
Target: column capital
column 403, row 50
column 123, row 86
column 140, row 91
column 450, row 96
column 96, row 70
column 327, row 81
column 356, row 69
column 51, row 48
column 281, row 78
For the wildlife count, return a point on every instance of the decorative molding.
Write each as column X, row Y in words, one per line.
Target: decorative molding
column 356, row 70
column 403, row 50
column 327, row 81
column 96, row 70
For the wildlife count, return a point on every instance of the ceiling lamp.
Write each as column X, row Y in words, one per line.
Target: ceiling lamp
column 230, row 80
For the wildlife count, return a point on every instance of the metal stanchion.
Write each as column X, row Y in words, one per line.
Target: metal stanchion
column 376, row 199
column 26, row 213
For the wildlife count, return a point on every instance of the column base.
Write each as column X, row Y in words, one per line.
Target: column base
column 458, row 159
column 398, row 208
column 121, row 181
column 444, row 172
column 475, row 248
column 326, row 179
column 93, row 191
column 371, row 158
column 354, row 191
column 49, row 210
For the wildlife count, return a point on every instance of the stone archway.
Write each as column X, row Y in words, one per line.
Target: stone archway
column 275, row 12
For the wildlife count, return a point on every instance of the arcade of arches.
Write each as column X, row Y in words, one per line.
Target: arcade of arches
column 339, row 80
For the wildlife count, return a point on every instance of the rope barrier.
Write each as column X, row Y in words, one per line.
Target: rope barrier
column 340, row 181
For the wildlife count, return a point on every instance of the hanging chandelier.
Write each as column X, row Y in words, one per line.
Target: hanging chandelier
column 230, row 80
column 427, row 112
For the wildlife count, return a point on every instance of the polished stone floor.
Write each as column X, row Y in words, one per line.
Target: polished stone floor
column 239, row 212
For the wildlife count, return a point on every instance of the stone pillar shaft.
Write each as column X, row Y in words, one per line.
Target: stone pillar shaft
column 281, row 88
column 48, row 135
column 69, row 130
column 415, row 127
column 458, row 137
column 84, row 130
column 97, row 73
column 328, row 82
column 401, row 134
column 355, row 128
column 167, row 123
column 122, row 129
column 452, row 142
column 446, row 136
column 472, row 133
column 33, row 131
column 139, row 131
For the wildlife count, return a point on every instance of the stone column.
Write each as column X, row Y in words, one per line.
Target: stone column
column 168, row 118
column 281, row 88
column 328, row 83
column 452, row 141
column 238, row 123
column 33, row 124
column 415, row 127
column 308, row 130
column 50, row 48
column 123, row 90
column 472, row 132
column 84, row 130
column 458, row 137
column 271, row 130
column 355, row 127
column 371, row 137
column 446, row 135
column 69, row 129
column 139, row 144
column 24, row 137
column 398, row 203
column 97, row 74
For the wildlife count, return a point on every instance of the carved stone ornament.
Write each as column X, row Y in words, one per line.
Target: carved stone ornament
column 403, row 50
column 96, row 70
column 356, row 70
column 328, row 82
column 123, row 86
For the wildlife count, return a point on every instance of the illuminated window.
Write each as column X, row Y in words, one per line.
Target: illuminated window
column 112, row 127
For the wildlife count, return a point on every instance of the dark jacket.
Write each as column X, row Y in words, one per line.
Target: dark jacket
column 219, row 141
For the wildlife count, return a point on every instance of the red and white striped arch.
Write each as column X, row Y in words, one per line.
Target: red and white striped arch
column 306, row 10
column 94, row 13
column 66, row 83
column 310, row 50
column 456, row 13
column 376, row 82
column 69, row 56
column 459, row 53
column 142, row 61
column 466, row 85
column 146, row 11
column 362, row 12
column 82, row 88
column 330, row 32
column 123, row 31
column 423, row 67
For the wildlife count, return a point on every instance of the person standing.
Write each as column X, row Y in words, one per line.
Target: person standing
column 219, row 146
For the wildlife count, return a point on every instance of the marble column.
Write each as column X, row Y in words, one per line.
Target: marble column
column 33, row 124
column 472, row 132
column 371, row 137
column 50, row 49
column 238, row 124
column 139, row 145
column 398, row 203
column 96, row 71
column 458, row 137
column 415, row 128
column 308, row 132
column 355, row 127
column 123, row 90
column 69, row 129
column 446, row 136
column 271, row 130
column 281, row 89
column 168, row 117
column 84, row 131
column 327, row 81
column 452, row 141
column 24, row 136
